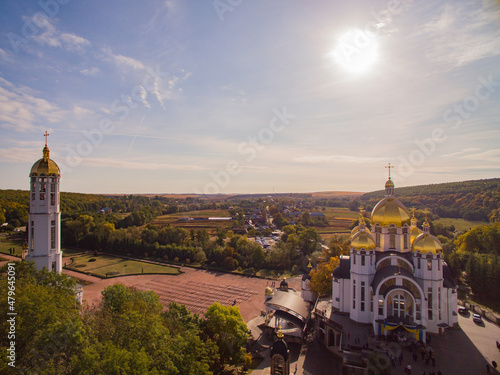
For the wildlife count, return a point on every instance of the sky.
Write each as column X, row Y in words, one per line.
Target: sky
column 239, row 96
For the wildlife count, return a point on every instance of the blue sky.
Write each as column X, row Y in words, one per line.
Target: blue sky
column 249, row 96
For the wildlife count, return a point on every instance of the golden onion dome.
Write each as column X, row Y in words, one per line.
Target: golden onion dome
column 414, row 233
column 356, row 230
column 390, row 211
column 363, row 240
column 389, row 183
column 426, row 243
column 269, row 291
column 45, row 165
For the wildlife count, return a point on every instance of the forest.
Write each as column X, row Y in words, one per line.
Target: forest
column 476, row 258
column 126, row 333
column 477, row 200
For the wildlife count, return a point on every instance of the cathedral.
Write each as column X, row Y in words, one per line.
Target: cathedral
column 395, row 277
column 44, row 219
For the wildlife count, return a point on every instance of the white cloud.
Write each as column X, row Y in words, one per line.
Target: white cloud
column 5, row 56
column 314, row 159
column 20, row 154
column 165, row 88
column 463, row 33
column 122, row 61
column 490, row 155
column 20, row 108
column 54, row 38
column 461, row 153
column 81, row 112
column 131, row 164
column 90, row 71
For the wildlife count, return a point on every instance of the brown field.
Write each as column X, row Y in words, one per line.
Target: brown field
column 339, row 220
column 336, row 194
column 210, row 226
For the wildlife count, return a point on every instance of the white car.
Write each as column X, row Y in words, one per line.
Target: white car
column 477, row 318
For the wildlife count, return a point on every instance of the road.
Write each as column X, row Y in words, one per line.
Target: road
column 484, row 337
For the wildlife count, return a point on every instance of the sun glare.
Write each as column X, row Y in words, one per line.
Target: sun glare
column 356, row 51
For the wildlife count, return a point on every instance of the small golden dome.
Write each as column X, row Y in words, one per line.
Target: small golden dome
column 363, row 240
column 356, row 230
column 389, row 183
column 390, row 211
column 45, row 165
column 269, row 291
column 426, row 243
column 414, row 233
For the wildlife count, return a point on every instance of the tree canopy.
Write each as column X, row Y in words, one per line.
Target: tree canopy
column 126, row 333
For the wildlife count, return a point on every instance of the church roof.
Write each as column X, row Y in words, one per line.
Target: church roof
column 448, row 279
column 286, row 302
column 343, row 271
column 280, row 347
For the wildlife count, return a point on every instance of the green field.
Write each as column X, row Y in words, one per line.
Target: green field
column 109, row 266
column 461, row 224
column 7, row 243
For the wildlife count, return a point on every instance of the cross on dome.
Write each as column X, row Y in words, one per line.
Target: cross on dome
column 46, row 135
column 389, row 167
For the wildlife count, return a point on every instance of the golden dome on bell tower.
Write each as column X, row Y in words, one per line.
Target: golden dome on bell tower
column 45, row 165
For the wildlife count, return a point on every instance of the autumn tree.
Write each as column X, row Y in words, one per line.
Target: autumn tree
column 321, row 277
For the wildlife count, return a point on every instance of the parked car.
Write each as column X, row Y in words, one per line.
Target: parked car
column 462, row 309
column 477, row 318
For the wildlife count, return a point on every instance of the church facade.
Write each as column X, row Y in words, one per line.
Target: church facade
column 44, row 219
column 395, row 276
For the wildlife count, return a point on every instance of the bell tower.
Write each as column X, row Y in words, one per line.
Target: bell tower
column 44, row 220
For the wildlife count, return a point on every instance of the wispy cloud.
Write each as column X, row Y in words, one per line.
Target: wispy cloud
column 123, row 62
column 490, row 155
column 21, row 108
column 463, row 33
column 461, row 153
column 52, row 37
column 91, row 71
column 5, row 56
column 314, row 159
column 131, row 164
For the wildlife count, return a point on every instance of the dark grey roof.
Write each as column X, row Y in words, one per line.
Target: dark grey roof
column 389, row 271
column 280, row 347
column 448, row 279
column 288, row 301
column 343, row 271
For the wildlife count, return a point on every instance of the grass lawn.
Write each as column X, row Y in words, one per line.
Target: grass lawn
column 6, row 244
column 109, row 266
column 461, row 224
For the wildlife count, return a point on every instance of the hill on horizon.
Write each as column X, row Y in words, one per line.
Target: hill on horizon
column 477, row 200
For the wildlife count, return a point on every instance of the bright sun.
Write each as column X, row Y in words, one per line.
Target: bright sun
column 356, row 51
